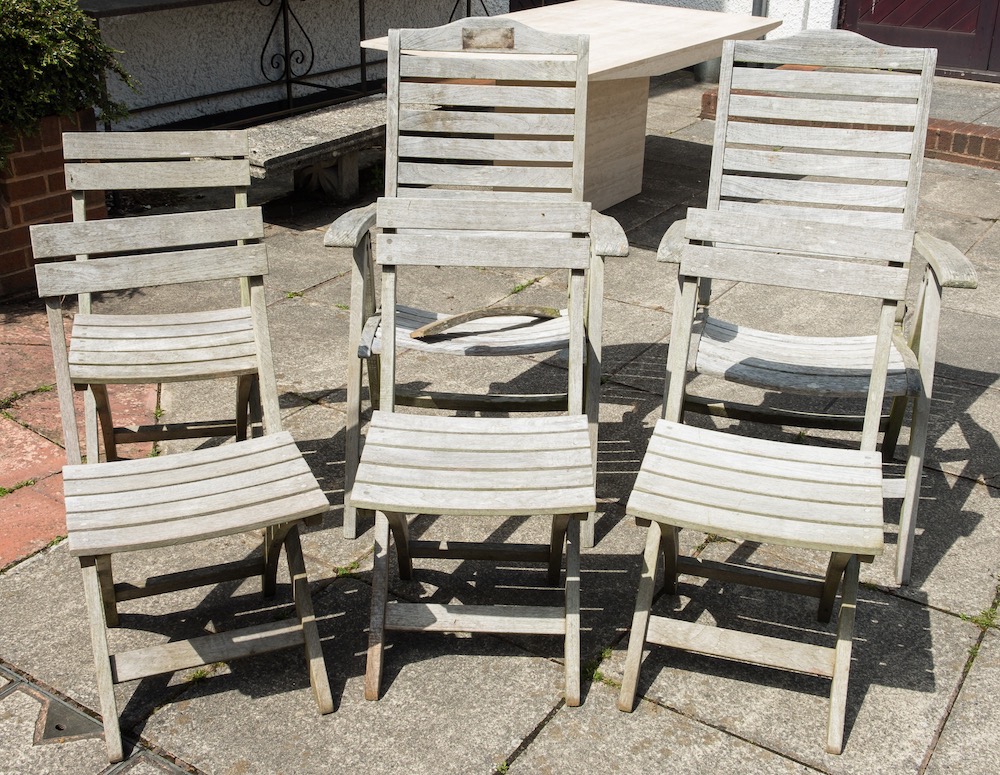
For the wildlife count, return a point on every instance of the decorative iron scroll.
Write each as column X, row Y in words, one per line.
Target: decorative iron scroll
column 279, row 60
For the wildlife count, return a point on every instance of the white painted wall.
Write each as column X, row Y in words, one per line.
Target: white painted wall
column 795, row 15
column 189, row 52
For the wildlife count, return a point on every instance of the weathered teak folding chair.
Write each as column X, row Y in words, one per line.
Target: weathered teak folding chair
column 836, row 136
column 258, row 484
column 789, row 494
column 487, row 213
column 469, row 142
column 161, row 346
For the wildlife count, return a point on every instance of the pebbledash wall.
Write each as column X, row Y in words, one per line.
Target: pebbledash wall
column 795, row 15
column 188, row 52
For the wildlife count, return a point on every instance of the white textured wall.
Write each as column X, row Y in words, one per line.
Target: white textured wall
column 795, row 15
column 190, row 52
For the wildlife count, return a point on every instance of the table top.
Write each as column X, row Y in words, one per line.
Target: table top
column 633, row 40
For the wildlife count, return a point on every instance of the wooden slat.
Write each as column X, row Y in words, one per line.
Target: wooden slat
column 476, row 426
column 456, row 249
column 819, row 138
column 826, row 214
column 741, row 646
column 418, row 438
column 172, row 532
column 431, row 617
column 815, row 274
column 483, row 66
column 899, row 87
column 829, row 110
column 813, row 192
column 474, row 213
column 205, row 650
column 890, row 245
column 776, row 162
column 763, row 578
column 452, row 37
column 113, row 235
column 841, row 49
column 78, row 146
column 154, row 357
column 174, row 174
column 120, row 342
column 480, row 96
column 488, row 195
column 198, row 321
column 168, row 268
column 479, row 122
column 466, row 550
column 508, row 176
column 190, row 579
column 542, row 151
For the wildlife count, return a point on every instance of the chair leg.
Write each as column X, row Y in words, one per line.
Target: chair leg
column 98, row 394
column 842, row 659
column 107, row 583
column 380, row 592
column 318, row 678
column 911, row 498
column 588, row 531
column 560, row 523
column 244, row 386
column 401, row 537
column 256, row 420
column 670, row 546
column 834, row 573
column 352, row 449
column 572, row 645
column 897, row 412
column 640, row 618
column 274, row 537
column 102, row 658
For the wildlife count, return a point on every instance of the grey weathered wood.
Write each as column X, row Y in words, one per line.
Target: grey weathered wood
column 90, row 146
column 167, row 175
column 152, row 231
column 471, row 466
column 857, row 164
column 148, row 503
column 219, row 647
column 807, row 233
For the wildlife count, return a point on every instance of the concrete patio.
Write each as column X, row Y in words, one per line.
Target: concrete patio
column 925, row 685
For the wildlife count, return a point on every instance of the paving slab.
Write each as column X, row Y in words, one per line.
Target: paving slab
column 430, row 716
column 597, row 737
column 968, row 740
column 32, row 518
column 907, row 662
column 19, row 753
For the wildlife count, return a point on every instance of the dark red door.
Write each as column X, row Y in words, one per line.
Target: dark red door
column 963, row 31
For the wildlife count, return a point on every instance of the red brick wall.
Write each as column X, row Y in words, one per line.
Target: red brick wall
column 33, row 190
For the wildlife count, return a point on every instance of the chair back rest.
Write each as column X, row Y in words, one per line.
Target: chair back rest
column 826, row 125
column 484, row 160
column 865, row 261
column 488, row 106
column 124, row 161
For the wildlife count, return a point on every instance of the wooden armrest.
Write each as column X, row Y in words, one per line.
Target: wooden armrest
column 368, row 336
column 350, row 228
column 607, row 236
column 949, row 264
column 672, row 243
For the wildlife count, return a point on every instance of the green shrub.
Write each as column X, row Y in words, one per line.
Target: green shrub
column 53, row 63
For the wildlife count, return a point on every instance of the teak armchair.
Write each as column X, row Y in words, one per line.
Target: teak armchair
column 260, row 485
column 827, row 126
column 788, row 494
column 475, row 141
column 483, row 169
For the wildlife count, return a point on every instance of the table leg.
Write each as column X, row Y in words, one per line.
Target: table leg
column 616, row 140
